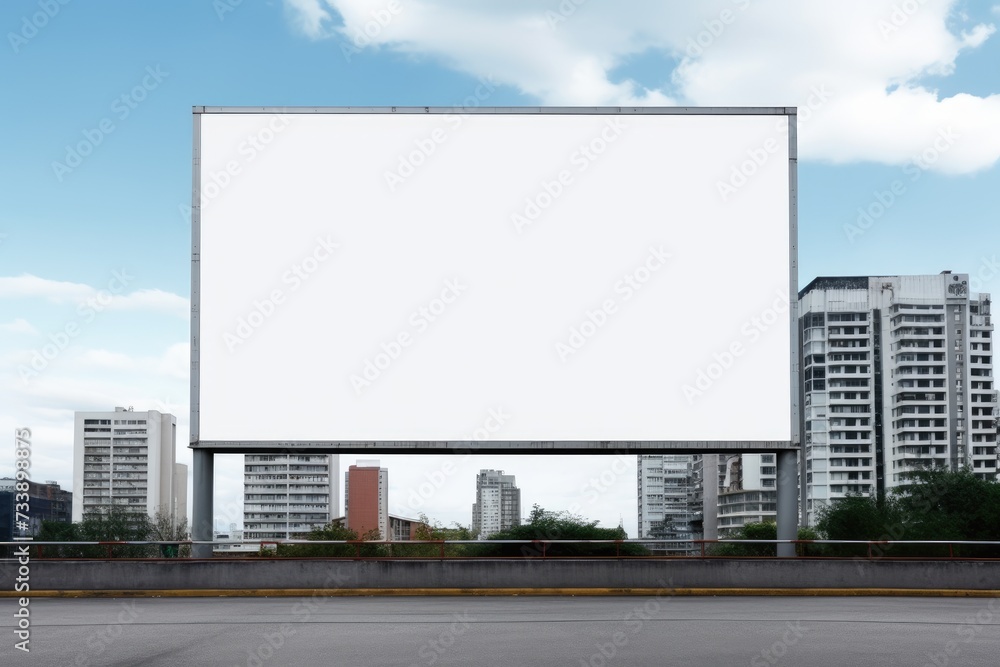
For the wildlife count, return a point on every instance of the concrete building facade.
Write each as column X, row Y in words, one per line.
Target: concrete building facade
column 667, row 499
column 127, row 458
column 287, row 495
column 897, row 377
column 748, row 493
column 498, row 503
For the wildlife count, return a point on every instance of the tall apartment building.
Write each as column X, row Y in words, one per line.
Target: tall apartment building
column 667, row 497
column 707, row 475
column 366, row 498
column 731, row 490
column 127, row 458
column 897, row 376
column 498, row 503
column 287, row 495
column 748, row 493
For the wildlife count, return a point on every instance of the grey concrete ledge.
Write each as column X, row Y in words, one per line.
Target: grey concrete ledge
column 183, row 574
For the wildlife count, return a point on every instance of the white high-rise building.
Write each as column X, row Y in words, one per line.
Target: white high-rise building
column 748, row 493
column 127, row 458
column 666, row 494
column 287, row 495
column 897, row 376
column 708, row 473
column 498, row 503
column 732, row 490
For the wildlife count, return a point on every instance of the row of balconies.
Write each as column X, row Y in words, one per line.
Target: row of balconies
column 917, row 397
column 917, row 331
column 918, row 345
column 920, row 370
column 293, row 489
column 913, row 425
column 896, row 320
column 837, row 490
column 850, row 463
column 850, row 449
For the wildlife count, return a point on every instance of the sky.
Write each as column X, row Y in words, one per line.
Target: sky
column 899, row 136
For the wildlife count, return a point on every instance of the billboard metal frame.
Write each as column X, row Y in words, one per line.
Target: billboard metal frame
column 203, row 451
column 492, row 446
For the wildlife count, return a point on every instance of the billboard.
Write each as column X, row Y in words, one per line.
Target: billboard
column 531, row 278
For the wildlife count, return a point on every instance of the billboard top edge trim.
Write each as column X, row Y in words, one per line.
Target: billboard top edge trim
column 512, row 444
column 694, row 111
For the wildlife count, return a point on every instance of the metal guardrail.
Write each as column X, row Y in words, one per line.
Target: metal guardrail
column 540, row 545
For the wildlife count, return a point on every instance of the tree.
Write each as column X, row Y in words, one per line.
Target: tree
column 936, row 505
column 429, row 529
column 945, row 505
column 166, row 527
column 60, row 531
column 764, row 530
column 856, row 517
column 543, row 526
column 116, row 523
column 335, row 532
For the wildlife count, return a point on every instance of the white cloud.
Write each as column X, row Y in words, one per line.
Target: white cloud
column 152, row 299
column 56, row 291
column 107, row 360
column 20, row 325
column 978, row 35
column 112, row 297
column 872, row 56
column 174, row 362
column 308, row 16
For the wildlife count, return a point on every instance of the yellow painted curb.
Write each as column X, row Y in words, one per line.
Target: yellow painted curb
column 510, row 592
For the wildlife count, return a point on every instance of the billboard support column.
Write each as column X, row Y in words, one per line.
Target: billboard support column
column 788, row 498
column 201, row 514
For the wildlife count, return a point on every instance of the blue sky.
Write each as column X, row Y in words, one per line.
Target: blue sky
column 893, row 82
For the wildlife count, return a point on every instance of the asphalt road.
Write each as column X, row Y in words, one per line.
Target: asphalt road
column 754, row 631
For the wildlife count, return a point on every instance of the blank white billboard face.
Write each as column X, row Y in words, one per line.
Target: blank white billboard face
column 520, row 277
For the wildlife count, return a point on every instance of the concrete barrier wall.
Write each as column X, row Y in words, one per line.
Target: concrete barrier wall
column 184, row 574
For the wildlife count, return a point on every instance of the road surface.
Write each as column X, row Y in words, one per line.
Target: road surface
column 508, row 631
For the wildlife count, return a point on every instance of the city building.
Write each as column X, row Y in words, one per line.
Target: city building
column 748, row 493
column 285, row 496
column 231, row 540
column 897, row 376
column 366, row 499
column 667, row 501
column 498, row 503
column 401, row 528
column 46, row 502
column 708, row 479
column 127, row 458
